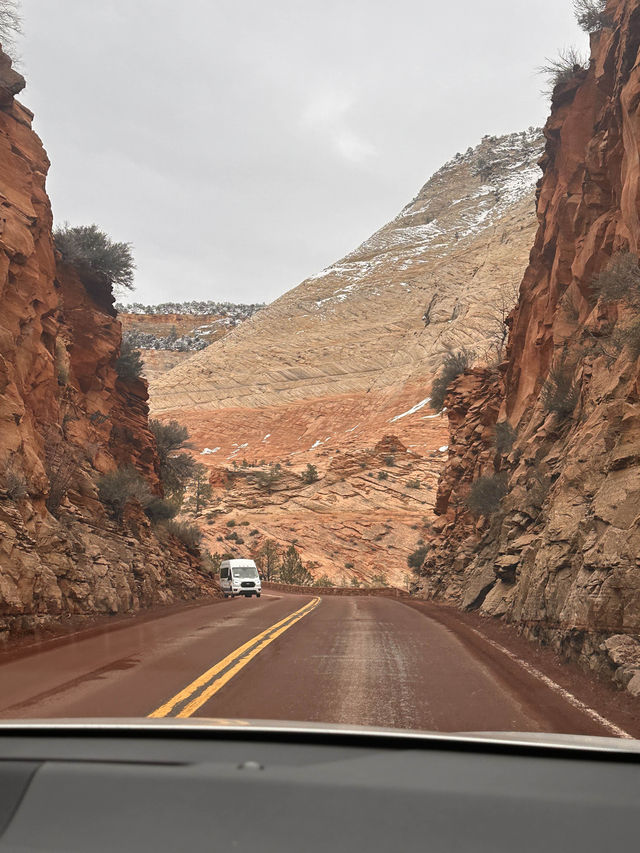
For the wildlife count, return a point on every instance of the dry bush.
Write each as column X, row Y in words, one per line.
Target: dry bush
column 560, row 392
column 454, row 365
column 619, row 281
column 561, row 70
column 487, row 494
column 61, row 466
column 505, row 437
column 13, row 482
column 188, row 534
column 116, row 489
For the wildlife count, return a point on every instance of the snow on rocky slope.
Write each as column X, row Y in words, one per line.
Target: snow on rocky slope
column 437, row 276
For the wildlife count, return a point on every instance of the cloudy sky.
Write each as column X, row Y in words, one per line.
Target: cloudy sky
column 242, row 145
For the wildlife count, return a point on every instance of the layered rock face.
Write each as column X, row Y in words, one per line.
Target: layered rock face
column 434, row 277
column 65, row 418
column 346, row 360
column 560, row 557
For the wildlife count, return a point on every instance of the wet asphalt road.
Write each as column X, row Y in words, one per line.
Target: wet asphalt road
column 362, row 660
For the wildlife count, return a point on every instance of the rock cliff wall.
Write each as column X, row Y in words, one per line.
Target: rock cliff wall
column 65, row 418
column 560, row 556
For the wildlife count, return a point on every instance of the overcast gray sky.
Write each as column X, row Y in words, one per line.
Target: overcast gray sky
column 242, row 145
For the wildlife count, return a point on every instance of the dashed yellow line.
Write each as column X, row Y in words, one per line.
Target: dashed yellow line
column 196, row 694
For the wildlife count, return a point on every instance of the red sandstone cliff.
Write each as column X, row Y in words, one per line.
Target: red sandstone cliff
column 560, row 557
column 65, row 417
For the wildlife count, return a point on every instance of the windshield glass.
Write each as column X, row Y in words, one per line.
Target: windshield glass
column 242, row 573
column 347, row 290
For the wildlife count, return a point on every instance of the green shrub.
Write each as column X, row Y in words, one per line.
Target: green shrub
column 129, row 364
column 415, row 560
column 560, row 393
column 231, row 523
column 349, row 566
column 244, row 524
column 591, row 14
column 324, row 582
column 86, row 246
column 383, row 475
column 188, row 534
column 310, row 475
column 116, row 489
column 454, row 365
column 390, row 461
column 505, row 437
column 414, row 484
column 159, row 509
column 486, row 495
column 176, row 469
column 379, row 579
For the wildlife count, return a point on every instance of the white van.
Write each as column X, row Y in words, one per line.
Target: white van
column 239, row 577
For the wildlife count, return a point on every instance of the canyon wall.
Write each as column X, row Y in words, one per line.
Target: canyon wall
column 65, row 418
column 561, row 556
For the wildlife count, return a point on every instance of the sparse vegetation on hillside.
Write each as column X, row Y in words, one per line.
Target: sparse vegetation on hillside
column 129, row 365
column 268, row 480
column 171, row 342
column 487, row 494
column 194, row 308
column 454, row 365
column 86, row 246
column 591, row 14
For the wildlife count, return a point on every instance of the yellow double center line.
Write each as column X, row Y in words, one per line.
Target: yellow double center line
column 193, row 697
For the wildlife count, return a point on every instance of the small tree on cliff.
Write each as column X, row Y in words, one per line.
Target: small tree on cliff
column 591, row 14
column 454, row 365
column 201, row 490
column 129, row 364
column 176, row 469
column 268, row 480
column 89, row 247
column 292, row 570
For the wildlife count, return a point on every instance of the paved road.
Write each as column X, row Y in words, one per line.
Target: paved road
column 358, row 660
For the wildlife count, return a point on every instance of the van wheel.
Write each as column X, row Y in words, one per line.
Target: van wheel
column 257, row 595
column 226, row 595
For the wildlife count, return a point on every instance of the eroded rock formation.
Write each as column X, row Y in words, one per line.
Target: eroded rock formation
column 348, row 357
column 561, row 556
column 65, row 418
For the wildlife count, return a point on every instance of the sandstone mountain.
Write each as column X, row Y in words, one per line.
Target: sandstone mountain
column 559, row 557
column 66, row 417
column 344, row 363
